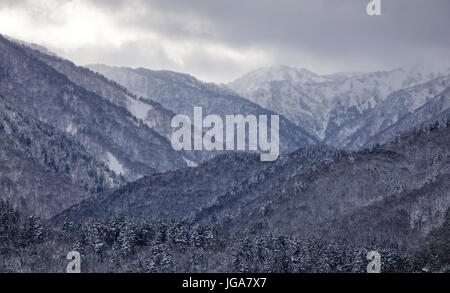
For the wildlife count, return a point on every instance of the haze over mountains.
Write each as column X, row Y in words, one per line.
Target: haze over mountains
column 365, row 156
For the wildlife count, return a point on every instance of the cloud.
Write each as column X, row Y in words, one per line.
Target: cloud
column 219, row 40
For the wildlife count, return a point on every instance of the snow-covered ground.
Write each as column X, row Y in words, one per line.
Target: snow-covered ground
column 114, row 164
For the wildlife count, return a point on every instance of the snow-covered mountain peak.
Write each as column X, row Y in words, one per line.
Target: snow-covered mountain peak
column 324, row 104
column 280, row 73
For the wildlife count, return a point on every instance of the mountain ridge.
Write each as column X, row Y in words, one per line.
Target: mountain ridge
column 107, row 130
column 180, row 92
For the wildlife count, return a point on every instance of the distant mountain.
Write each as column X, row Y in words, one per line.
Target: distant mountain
column 114, row 128
column 340, row 108
column 287, row 91
column 42, row 170
column 434, row 110
column 181, row 92
column 150, row 112
column 356, row 133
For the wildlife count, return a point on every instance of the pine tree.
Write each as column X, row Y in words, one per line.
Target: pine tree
column 68, row 227
column 34, row 229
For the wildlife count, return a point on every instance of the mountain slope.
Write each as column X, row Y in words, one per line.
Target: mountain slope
column 150, row 112
column 287, row 91
column 340, row 109
column 109, row 132
column 356, row 133
column 189, row 192
column 358, row 95
column 42, row 170
column 434, row 109
column 309, row 192
column 181, row 93
column 399, row 192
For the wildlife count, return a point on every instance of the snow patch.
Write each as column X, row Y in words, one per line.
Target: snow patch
column 138, row 108
column 190, row 163
column 114, row 164
column 71, row 129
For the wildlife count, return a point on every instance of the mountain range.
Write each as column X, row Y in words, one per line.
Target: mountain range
column 181, row 92
column 364, row 156
column 399, row 189
column 344, row 110
column 110, row 131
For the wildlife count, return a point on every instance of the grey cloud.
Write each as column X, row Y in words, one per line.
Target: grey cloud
column 326, row 29
column 133, row 54
column 334, row 32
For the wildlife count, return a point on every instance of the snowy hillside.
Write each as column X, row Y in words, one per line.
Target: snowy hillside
column 336, row 107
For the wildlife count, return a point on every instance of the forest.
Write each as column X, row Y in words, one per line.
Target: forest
column 122, row 244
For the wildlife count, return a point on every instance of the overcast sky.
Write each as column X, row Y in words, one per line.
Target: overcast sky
column 219, row 40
